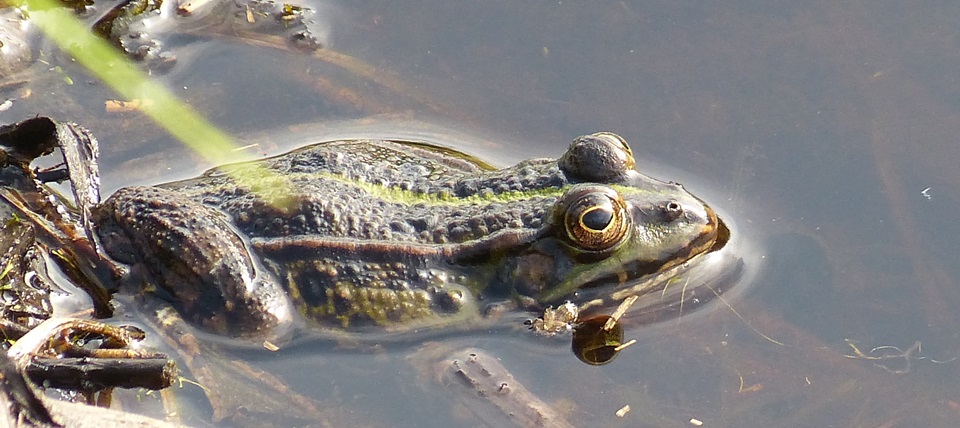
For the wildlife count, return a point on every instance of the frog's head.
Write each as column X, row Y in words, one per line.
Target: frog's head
column 613, row 225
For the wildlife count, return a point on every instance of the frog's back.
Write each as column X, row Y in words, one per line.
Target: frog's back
column 381, row 190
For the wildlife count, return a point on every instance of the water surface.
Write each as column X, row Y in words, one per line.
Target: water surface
column 826, row 133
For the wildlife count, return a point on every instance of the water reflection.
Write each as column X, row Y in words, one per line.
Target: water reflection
column 815, row 126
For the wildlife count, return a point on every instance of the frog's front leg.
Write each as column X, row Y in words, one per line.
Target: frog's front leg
column 191, row 256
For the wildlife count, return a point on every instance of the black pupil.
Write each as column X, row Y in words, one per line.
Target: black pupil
column 597, row 218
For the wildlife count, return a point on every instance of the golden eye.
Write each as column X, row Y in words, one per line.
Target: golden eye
column 596, row 217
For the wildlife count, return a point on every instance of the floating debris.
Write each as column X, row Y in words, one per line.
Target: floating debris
column 624, row 345
column 249, row 13
column 622, row 309
column 118, row 106
column 188, row 8
column 623, row 411
column 555, row 321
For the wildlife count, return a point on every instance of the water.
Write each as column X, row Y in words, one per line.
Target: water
column 824, row 132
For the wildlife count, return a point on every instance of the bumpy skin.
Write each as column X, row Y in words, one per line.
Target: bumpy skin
column 191, row 252
column 339, row 208
column 397, row 234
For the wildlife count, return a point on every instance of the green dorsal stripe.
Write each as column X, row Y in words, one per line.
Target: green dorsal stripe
column 407, row 197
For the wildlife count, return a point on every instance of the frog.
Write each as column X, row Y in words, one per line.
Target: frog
column 397, row 235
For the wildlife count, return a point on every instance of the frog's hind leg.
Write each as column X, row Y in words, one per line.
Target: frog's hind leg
column 196, row 259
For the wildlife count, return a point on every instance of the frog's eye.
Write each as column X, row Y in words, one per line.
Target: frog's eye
column 596, row 218
column 603, row 157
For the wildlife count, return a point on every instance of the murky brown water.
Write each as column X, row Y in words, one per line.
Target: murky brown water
column 825, row 132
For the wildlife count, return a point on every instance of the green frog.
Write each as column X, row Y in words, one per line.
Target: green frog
column 399, row 235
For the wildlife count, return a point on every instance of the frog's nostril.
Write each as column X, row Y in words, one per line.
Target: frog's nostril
column 672, row 211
